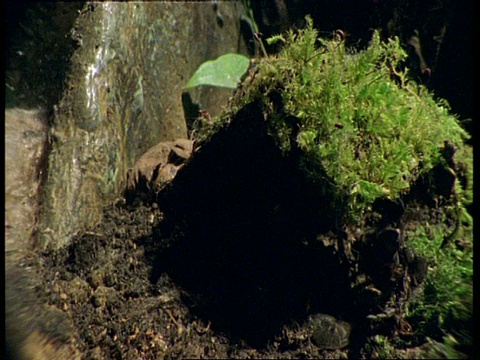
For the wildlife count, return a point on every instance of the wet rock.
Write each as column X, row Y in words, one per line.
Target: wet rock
column 123, row 95
column 26, row 135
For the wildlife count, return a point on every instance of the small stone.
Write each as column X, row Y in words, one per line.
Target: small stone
column 328, row 332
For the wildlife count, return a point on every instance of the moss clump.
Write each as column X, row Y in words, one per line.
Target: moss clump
column 359, row 119
column 445, row 308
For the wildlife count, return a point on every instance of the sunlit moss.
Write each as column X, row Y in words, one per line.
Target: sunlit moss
column 362, row 121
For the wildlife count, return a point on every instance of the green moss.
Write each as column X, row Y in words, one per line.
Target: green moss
column 446, row 305
column 380, row 347
column 362, row 123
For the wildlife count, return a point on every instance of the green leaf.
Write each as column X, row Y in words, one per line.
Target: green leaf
column 226, row 71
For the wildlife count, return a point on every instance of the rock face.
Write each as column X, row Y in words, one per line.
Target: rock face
column 34, row 330
column 123, row 94
column 38, row 51
column 26, row 135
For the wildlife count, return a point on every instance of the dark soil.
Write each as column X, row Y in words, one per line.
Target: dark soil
column 122, row 308
column 132, row 289
column 119, row 285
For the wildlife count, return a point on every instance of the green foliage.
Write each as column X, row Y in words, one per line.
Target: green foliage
column 447, row 300
column 362, row 122
column 444, row 350
column 226, row 71
column 380, row 347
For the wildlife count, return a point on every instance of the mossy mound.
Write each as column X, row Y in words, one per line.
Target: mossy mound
column 298, row 200
column 358, row 119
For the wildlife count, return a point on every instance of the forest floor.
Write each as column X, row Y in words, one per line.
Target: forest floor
column 120, row 306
